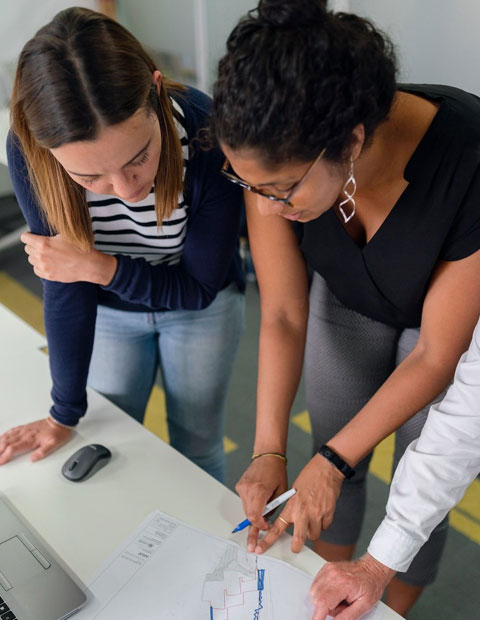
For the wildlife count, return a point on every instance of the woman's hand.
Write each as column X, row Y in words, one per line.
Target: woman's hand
column 265, row 479
column 42, row 436
column 55, row 258
column 311, row 509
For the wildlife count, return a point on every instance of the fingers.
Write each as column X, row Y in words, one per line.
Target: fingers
column 315, row 528
column 254, row 496
column 46, row 448
column 320, row 612
column 277, row 529
column 354, row 611
column 16, row 441
column 252, row 538
column 39, row 436
column 6, row 455
column 28, row 238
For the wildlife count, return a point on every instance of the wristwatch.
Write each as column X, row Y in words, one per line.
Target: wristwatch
column 336, row 460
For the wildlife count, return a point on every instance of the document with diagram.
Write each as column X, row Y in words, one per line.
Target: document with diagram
column 170, row 570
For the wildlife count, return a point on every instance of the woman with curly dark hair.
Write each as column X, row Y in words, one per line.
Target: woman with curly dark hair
column 382, row 181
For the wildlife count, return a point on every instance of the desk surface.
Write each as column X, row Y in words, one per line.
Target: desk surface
column 85, row 522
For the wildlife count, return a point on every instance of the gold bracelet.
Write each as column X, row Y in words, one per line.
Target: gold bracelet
column 277, row 454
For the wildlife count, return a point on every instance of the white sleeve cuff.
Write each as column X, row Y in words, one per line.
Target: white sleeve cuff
column 394, row 548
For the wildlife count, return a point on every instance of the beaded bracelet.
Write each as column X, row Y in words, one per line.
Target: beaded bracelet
column 277, row 454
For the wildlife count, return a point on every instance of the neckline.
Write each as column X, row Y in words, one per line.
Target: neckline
column 413, row 165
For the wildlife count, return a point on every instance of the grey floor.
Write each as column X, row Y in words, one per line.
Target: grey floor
column 454, row 596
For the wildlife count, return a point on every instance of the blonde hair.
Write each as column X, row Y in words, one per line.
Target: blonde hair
column 79, row 73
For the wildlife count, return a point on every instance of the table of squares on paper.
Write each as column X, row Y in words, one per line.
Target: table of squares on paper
column 167, row 569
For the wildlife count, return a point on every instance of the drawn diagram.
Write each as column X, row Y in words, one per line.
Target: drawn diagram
column 236, row 589
column 169, row 570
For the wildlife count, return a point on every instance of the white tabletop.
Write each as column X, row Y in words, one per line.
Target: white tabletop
column 85, row 522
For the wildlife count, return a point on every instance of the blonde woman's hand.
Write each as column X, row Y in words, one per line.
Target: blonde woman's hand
column 55, row 258
column 42, row 437
column 311, row 509
column 265, row 479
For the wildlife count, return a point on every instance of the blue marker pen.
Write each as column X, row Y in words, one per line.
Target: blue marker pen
column 268, row 508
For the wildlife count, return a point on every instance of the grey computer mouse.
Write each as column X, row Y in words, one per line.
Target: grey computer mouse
column 85, row 462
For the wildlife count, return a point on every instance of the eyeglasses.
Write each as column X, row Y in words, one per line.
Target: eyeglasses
column 291, row 192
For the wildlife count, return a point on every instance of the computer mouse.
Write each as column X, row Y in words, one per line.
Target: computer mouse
column 85, row 462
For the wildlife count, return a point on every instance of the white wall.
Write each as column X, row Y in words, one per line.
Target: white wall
column 174, row 25
column 20, row 20
column 222, row 16
column 162, row 26
column 437, row 40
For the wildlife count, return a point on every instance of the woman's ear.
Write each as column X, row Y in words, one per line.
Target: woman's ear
column 157, row 80
column 358, row 138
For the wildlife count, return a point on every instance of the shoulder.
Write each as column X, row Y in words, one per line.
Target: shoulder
column 196, row 108
column 461, row 109
column 205, row 160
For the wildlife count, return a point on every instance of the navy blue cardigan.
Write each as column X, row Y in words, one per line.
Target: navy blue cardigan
column 209, row 263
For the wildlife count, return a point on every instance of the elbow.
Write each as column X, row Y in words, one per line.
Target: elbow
column 438, row 362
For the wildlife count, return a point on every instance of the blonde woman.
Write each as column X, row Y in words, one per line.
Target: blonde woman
column 133, row 231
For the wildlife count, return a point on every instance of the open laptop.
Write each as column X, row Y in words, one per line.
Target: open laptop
column 33, row 583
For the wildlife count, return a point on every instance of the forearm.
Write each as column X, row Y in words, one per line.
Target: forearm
column 281, row 350
column 436, row 469
column 69, row 311
column 416, row 382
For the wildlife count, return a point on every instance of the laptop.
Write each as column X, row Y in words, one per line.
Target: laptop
column 34, row 584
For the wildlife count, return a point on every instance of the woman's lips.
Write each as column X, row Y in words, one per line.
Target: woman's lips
column 136, row 194
column 293, row 216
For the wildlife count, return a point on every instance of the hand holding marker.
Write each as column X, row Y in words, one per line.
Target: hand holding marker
column 268, row 508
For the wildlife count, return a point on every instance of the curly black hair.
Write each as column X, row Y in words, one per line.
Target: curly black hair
column 297, row 78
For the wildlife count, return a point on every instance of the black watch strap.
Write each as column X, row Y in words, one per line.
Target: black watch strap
column 336, row 460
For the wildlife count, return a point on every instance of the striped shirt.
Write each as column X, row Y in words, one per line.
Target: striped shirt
column 131, row 229
column 207, row 245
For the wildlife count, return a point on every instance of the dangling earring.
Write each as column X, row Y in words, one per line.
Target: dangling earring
column 349, row 193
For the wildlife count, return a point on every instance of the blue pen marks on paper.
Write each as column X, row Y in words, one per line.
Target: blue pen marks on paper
column 235, row 590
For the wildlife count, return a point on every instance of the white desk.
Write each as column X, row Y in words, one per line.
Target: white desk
column 144, row 474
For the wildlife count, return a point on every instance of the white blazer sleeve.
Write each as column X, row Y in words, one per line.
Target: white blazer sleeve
column 436, row 468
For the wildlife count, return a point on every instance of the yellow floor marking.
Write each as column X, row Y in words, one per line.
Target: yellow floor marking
column 156, row 414
column 22, row 302
column 229, row 445
column 382, row 459
column 470, row 504
column 302, row 420
column 465, row 518
column 465, row 525
column 156, row 419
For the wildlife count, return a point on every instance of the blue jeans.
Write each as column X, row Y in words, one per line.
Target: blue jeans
column 195, row 351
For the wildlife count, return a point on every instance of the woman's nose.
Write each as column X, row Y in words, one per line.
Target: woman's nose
column 269, row 207
column 124, row 185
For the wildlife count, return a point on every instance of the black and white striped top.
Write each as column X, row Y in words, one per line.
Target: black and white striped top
column 120, row 227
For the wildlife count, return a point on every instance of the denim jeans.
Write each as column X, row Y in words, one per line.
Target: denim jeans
column 195, row 351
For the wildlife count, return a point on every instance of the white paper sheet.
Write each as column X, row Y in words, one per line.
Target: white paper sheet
column 170, row 571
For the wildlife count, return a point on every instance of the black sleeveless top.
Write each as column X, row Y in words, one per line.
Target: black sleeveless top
column 437, row 218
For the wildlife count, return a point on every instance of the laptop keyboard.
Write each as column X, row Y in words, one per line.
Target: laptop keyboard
column 5, row 612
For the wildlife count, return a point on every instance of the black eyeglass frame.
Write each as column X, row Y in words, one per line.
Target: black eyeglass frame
column 251, row 188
